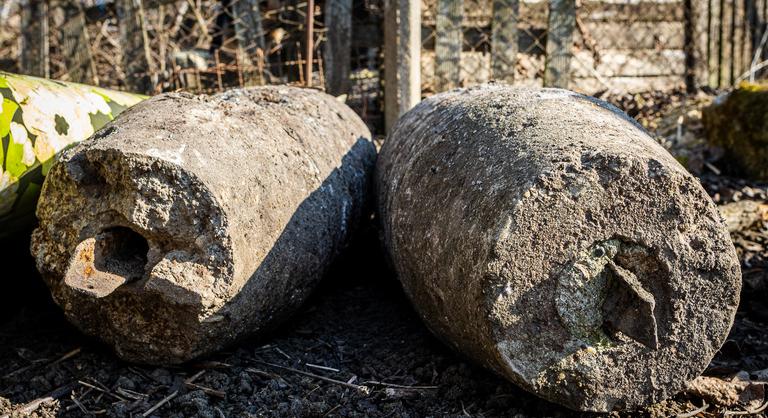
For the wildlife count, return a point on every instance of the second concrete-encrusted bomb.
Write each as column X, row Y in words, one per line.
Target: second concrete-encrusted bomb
column 547, row 236
column 193, row 220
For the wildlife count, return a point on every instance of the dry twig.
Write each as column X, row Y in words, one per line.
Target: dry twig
column 694, row 412
column 396, row 386
column 362, row 389
column 30, row 407
column 747, row 412
column 160, row 404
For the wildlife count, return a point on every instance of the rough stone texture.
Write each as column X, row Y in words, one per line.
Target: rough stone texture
column 738, row 123
column 193, row 220
column 547, row 236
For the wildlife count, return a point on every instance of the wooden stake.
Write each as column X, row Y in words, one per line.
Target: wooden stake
column 338, row 47
column 409, row 55
column 391, row 111
column 448, row 44
column 34, row 38
column 249, row 32
column 402, row 58
column 134, row 40
column 504, row 39
column 562, row 21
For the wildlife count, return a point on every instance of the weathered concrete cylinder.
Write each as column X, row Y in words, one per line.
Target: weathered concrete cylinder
column 191, row 220
column 547, row 236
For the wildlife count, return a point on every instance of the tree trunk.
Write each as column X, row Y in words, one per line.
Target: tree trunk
column 249, row 32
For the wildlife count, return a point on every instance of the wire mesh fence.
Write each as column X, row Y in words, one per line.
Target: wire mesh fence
column 591, row 46
column 629, row 46
column 734, row 49
column 618, row 45
column 477, row 37
column 601, row 45
column 153, row 46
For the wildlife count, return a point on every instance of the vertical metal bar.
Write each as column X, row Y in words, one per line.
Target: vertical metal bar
column 218, row 70
column 310, row 40
column 689, row 46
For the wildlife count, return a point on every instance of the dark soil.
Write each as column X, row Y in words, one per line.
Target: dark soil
column 358, row 328
column 358, row 323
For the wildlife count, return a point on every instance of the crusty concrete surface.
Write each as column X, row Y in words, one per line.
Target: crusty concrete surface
column 547, row 236
column 191, row 221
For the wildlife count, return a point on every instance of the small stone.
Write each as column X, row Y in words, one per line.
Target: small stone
column 125, row 383
column 736, row 123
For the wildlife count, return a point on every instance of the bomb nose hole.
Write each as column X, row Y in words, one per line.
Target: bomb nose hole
column 121, row 251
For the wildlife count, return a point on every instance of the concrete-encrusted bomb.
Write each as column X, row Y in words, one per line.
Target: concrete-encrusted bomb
column 546, row 235
column 193, row 220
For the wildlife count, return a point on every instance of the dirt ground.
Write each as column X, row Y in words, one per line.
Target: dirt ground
column 357, row 349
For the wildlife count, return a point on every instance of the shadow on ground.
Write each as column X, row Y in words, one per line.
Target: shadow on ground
column 357, row 330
